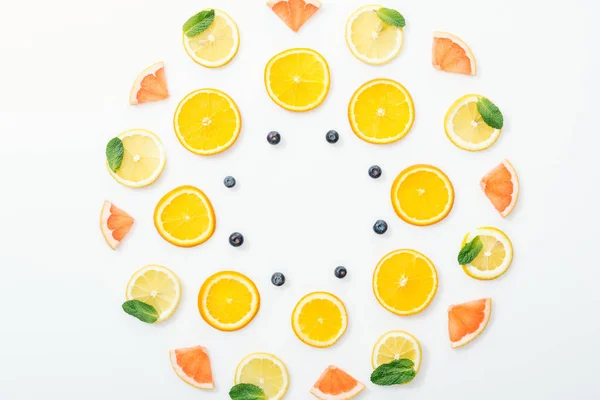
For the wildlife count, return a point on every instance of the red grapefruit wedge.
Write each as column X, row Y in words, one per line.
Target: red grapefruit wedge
column 335, row 384
column 466, row 321
column 294, row 13
column 451, row 54
column 501, row 186
column 192, row 365
column 114, row 224
column 150, row 85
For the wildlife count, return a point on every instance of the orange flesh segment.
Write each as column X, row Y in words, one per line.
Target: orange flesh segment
column 466, row 318
column 498, row 187
column 195, row 363
column 119, row 222
column 334, row 381
column 294, row 12
column 153, row 87
column 450, row 57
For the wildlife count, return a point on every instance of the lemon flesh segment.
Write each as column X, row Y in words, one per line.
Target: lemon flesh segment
column 466, row 128
column 371, row 40
column 395, row 345
column 495, row 257
column 157, row 286
column 265, row 371
column 217, row 45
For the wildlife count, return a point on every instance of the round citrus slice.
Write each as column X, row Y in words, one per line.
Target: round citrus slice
column 319, row 319
column 396, row 345
column 494, row 258
column 217, row 45
column 143, row 159
column 294, row 13
column 228, row 301
column 335, row 384
column 297, row 79
column 466, row 128
column 466, row 321
column 501, row 186
column 451, row 54
column 370, row 39
column 150, row 85
column 207, row 122
column 381, row 111
column 114, row 224
column 157, row 286
column 265, row 371
column 422, row 195
column 192, row 365
column 405, row 282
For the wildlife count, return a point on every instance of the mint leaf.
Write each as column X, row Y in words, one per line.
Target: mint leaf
column 198, row 23
column 470, row 251
column 490, row 114
column 391, row 17
column 142, row 311
column 114, row 153
column 396, row 372
column 247, row 391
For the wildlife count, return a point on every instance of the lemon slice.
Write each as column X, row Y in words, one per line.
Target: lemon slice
column 207, row 122
column 465, row 127
column 319, row 319
column 185, row 217
column 370, row 39
column 157, row 286
column 265, row 371
column 297, row 79
column 381, row 111
column 395, row 345
column 495, row 257
column 228, row 301
column 217, row 45
column 143, row 161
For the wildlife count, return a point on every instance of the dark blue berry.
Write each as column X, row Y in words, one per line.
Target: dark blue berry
column 375, row 171
column 332, row 137
column 380, row 226
column 273, row 138
column 340, row 272
column 278, row 279
column 236, row 239
column 229, row 181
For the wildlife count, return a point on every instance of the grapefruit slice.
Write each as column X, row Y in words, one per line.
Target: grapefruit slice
column 451, row 54
column 335, row 384
column 114, row 223
column 294, row 13
column 466, row 321
column 192, row 364
column 501, row 186
column 150, row 85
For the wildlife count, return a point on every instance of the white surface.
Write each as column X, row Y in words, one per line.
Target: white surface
column 304, row 206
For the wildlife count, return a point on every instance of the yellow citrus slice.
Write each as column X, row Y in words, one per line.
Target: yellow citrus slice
column 157, row 286
column 228, row 300
column 381, row 111
column 143, row 161
column 297, row 79
column 422, row 195
column 465, row 127
column 495, row 257
column 217, row 45
column 265, row 371
column 185, row 217
column 207, row 122
column 370, row 39
column 395, row 345
column 405, row 282
column 319, row 319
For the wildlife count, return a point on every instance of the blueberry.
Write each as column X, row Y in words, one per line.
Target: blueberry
column 332, row 137
column 229, row 181
column 375, row 171
column 274, row 137
column 340, row 272
column 236, row 239
column 278, row 279
column 380, row 226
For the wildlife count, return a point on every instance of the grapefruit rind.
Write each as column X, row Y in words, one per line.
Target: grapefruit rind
column 514, row 178
column 184, row 377
column 407, row 336
column 348, row 394
column 294, row 22
column 319, row 296
column 105, row 214
column 457, row 140
column 471, row 336
column 476, row 273
column 137, row 85
column 461, row 43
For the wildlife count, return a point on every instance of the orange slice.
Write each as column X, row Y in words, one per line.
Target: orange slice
column 466, row 321
column 319, row 319
column 501, row 186
column 294, row 13
column 335, row 384
column 150, row 85
column 451, row 54
column 192, row 365
column 114, row 223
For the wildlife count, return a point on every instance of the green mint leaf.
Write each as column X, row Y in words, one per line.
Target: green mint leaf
column 246, row 391
column 396, row 372
column 391, row 17
column 198, row 23
column 470, row 251
column 114, row 153
column 490, row 114
column 142, row 311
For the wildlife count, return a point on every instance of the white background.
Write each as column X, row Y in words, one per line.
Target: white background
column 304, row 206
